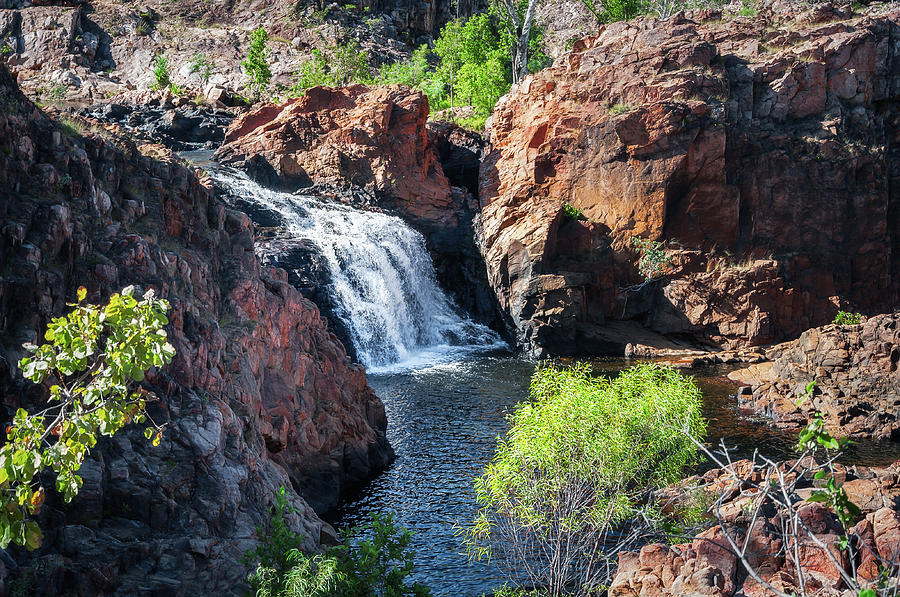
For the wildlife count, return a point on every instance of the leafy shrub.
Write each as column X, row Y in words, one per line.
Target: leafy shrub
column 203, row 67
column 256, row 65
column 92, row 358
column 377, row 565
column 59, row 92
column 570, row 212
column 568, row 486
column 652, row 260
column 344, row 65
column 161, row 78
column 610, row 11
column 846, row 318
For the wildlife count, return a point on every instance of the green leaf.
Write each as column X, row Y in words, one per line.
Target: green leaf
column 33, row 536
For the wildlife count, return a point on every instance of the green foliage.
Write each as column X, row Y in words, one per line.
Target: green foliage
column 92, row 358
column 413, row 72
column 203, row 67
column 256, row 65
column 845, row 318
column 747, row 11
column 652, row 260
column 582, row 457
column 71, row 127
column 610, row 11
column 377, row 565
column 59, row 92
column 474, row 64
column 161, row 78
column 619, row 108
column 176, row 89
column 812, row 438
column 344, row 65
column 350, row 64
column 570, row 212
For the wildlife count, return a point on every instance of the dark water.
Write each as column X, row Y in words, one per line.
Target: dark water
column 444, row 422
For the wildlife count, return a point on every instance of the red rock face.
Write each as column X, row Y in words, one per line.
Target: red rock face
column 854, row 367
column 374, row 138
column 759, row 150
column 260, row 394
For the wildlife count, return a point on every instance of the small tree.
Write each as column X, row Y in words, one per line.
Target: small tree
column 517, row 17
column 256, row 65
column 90, row 363
column 652, row 260
column 569, row 485
column 161, row 79
column 373, row 559
column 203, row 67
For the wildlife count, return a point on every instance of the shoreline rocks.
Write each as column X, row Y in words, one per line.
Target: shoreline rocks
column 709, row 566
column 854, row 367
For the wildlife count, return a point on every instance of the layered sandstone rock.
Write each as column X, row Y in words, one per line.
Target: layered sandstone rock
column 260, row 394
column 761, row 150
column 708, row 565
column 854, row 368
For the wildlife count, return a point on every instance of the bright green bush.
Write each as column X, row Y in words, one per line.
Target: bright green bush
column 256, row 65
column 161, row 78
column 846, row 318
column 579, row 462
column 91, row 360
column 652, row 259
column 373, row 559
column 570, row 212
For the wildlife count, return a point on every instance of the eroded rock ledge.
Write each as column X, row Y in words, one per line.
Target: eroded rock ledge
column 854, row 367
column 763, row 150
column 260, row 394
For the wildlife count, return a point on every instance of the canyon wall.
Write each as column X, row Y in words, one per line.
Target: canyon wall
column 761, row 150
column 260, row 395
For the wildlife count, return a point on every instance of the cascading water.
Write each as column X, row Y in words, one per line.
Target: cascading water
column 382, row 280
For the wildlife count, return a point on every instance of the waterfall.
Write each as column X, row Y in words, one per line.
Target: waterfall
column 382, row 280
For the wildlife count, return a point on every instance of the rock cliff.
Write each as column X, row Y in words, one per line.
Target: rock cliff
column 260, row 394
column 761, row 150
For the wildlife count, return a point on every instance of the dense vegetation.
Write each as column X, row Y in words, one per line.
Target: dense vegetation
column 372, row 560
column 569, row 484
column 90, row 363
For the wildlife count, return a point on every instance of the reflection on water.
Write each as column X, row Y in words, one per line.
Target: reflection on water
column 443, row 424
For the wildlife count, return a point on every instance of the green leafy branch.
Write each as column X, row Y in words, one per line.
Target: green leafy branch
column 91, row 360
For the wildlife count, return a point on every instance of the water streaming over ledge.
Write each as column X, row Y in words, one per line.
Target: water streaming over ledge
column 382, row 280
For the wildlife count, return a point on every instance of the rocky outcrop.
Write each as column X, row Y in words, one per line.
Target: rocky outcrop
column 708, row 565
column 372, row 146
column 854, row 367
column 159, row 120
column 761, row 150
column 260, row 394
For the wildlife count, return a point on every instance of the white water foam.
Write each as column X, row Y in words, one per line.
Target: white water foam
column 382, row 281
